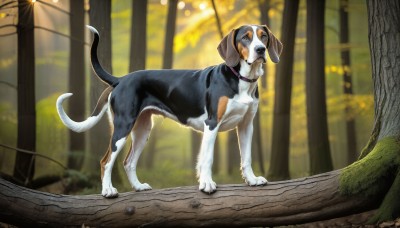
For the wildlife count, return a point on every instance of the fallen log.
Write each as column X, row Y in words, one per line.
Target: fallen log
column 296, row 201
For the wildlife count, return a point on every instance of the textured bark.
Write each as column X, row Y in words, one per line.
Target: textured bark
column 281, row 203
column 379, row 166
column 137, row 60
column 77, row 82
column 317, row 124
column 25, row 163
column 279, row 168
column 384, row 41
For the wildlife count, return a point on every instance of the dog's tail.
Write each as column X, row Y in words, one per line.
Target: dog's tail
column 100, row 109
column 98, row 69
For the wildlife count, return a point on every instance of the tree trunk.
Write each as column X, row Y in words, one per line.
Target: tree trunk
column 379, row 167
column 317, row 125
column 264, row 6
column 347, row 82
column 25, row 163
column 77, row 82
column 137, row 60
column 169, row 35
column 256, row 144
column 233, row 153
column 279, row 168
column 217, row 19
column 99, row 135
column 282, row 203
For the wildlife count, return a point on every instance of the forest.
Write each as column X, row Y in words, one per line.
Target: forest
column 327, row 120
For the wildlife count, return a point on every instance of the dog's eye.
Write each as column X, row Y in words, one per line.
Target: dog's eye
column 245, row 38
column 264, row 36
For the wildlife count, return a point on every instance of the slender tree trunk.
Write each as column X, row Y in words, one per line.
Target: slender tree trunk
column 169, row 35
column 77, row 82
column 137, row 60
column 195, row 147
column 233, row 152
column 217, row 19
column 317, row 125
column 257, row 142
column 279, row 168
column 99, row 135
column 347, row 82
column 264, row 6
column 25, row 163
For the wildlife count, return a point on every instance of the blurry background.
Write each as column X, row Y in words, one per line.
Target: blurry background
column 156, row 34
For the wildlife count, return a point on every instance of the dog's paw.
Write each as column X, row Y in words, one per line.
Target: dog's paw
column 208, row 186
column 109, row 192
column 256, row 181
column 143, row 187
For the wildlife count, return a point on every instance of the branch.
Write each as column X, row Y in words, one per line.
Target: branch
column 33, row 153
column 297, row 201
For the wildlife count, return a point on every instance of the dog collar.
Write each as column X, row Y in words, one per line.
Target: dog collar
column 241, row 77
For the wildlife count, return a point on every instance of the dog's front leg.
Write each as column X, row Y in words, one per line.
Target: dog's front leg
column 205, row 160
column 245, row 134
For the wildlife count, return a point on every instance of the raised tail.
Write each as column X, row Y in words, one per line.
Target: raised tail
column 98, row 69
column 100, row 109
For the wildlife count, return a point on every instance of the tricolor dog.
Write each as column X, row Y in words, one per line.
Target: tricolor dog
column 217, row 98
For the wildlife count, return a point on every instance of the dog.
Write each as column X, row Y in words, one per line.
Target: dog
column 217, row 98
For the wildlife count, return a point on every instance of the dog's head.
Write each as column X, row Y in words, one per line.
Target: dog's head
column 249, row 42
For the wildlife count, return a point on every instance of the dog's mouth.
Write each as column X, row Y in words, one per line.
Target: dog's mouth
column 260, row 59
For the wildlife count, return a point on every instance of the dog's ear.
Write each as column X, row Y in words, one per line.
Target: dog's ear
column 227, row 49
column 274, row 45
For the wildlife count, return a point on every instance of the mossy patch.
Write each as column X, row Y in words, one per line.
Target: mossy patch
column 366, row 175
column 377, row 173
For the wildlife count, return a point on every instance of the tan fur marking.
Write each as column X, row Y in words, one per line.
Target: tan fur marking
column 102, row 100
column 261, row 32
column 250, row 34
column 222, row 103
column 243, row 51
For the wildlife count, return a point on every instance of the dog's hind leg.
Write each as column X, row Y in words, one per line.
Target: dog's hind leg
column 139, row 134
column 122, row 128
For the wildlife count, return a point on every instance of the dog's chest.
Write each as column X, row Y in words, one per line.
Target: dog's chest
column 239, row 107
column 236, row 110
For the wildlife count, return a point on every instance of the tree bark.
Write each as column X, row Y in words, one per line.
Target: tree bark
column 25, row 163
column 281, row 203
column 317, row 125
column 77, row 82
column 137, row 60
column 347, row 81
column 379, row 167
column 279, row 168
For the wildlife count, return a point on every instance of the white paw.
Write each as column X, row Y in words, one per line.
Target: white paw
column 143, row 187
column 207, row 185
column 109, row 192
column 256, row 181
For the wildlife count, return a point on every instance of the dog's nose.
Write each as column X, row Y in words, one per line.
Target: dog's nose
column 260, row 49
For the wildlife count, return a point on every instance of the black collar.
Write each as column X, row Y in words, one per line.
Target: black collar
column 241, row 77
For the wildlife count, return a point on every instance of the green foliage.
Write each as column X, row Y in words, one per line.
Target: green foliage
column 51, row 136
